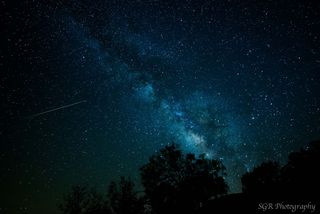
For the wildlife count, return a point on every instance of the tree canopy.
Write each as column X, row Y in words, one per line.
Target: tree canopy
column 174, row 181
column 296, row 179
column 121, row 198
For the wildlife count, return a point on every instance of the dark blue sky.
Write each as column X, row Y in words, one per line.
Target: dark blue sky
column 236, row 80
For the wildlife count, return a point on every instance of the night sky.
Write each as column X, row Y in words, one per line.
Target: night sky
column 236, row 80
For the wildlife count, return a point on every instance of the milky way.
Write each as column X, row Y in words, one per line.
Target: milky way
column 235, row 81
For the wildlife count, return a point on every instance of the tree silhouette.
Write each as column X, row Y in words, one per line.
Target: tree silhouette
column 264, row 179
column 299, row 176
column 177, row 182
column 297, row 179
column 83, row 200
column 122, row 198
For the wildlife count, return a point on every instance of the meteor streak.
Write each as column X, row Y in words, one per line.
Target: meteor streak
column 56, row 109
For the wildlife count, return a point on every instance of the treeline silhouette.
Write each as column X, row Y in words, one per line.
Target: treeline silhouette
column 298, row 179
column 183, row 183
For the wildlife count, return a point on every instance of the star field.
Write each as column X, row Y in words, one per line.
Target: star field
column 235, row 80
